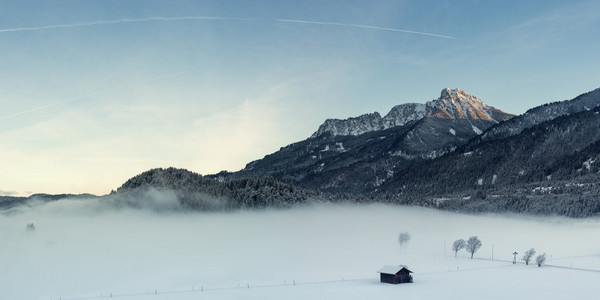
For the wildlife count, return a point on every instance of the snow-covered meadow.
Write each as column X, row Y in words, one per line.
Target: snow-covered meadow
column 80, row 250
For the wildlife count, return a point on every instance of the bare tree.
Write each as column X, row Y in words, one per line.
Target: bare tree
column 528, row 255
column 403, row 238
column 458, row 245
column 473, row 244
column 540, row 259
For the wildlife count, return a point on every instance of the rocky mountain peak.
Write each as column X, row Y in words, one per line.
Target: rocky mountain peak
column 452, row 104
column 448, row 93
column 457, row 104
column 456, row 93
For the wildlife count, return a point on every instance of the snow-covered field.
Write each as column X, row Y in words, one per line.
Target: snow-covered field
column 79, row 251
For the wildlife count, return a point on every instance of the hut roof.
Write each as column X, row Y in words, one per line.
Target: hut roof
column 393, row 269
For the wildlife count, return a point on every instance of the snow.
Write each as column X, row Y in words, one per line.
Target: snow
column 83, row 250
column 404, row 155
column 543, row 189
column 476, row 130
column 340, row 147
column 588, row 164
column 391, row 269
column 452, row 131
column 430, row 155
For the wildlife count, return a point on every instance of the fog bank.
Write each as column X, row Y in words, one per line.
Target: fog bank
column 81, row 248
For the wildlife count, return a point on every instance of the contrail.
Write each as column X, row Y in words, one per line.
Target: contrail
column 106, row 22
column 368, row 27
column 166, row 19
column 41, row 107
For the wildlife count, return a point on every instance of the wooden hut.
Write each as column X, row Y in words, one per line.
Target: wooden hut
column 395, row 274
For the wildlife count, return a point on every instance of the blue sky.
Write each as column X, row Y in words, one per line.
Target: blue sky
column 94, row 92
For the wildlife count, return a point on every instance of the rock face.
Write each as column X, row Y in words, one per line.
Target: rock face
column 402, row 114
column 359, row 154
column 352, row 126
column 452, row 104
column 457, row 104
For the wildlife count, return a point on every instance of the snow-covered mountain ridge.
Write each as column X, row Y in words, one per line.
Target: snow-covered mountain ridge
column 452, row 104
column 537, row 115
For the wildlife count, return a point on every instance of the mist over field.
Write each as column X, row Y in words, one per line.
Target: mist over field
column 82, row 248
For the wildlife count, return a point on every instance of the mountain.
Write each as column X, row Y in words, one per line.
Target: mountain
column 558, row 149
column 549, row 167
column 541, row 114
column 453, row 153
column 452, row 104
column 357, row 155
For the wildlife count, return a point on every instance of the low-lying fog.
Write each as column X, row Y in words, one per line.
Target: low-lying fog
column 78, row 250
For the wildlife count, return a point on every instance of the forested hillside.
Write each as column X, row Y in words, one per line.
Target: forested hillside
column 561, row 149
column 194, row 191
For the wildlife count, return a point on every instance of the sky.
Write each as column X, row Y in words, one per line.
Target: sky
column 93, row 92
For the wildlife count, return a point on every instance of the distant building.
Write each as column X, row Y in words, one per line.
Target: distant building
column 395, row 274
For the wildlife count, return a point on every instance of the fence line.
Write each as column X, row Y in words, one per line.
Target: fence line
column 203, row 289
